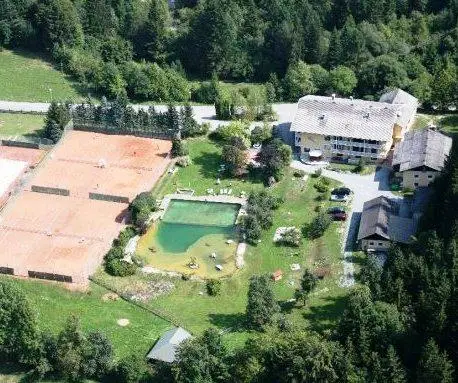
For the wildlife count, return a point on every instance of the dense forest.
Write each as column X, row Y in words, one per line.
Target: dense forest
column 151, row 50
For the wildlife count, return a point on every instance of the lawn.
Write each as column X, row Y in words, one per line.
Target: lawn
column 192, row 308
column 447, row 123
column 28, row 77
column 16, row 124
column 54, row 304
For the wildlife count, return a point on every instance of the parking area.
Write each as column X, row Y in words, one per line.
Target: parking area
column 364, row 189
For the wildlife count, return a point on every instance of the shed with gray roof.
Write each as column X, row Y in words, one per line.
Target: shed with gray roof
column 165, row 348
column 422, row 148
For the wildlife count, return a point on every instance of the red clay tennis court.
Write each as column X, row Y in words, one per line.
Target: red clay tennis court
column 14, row 162
column 64, row 237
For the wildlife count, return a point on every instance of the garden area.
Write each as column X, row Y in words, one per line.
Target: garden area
column 447, row 123
column 188, row 303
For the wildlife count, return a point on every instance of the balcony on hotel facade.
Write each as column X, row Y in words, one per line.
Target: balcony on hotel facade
column 354, row 142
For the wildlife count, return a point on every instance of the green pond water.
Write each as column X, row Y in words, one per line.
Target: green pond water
column 185, row 222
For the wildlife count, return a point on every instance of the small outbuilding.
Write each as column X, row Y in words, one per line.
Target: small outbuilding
column 381, row 225
column 165, row 348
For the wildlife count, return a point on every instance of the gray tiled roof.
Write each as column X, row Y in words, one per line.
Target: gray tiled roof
column 379, row 217
column 423, row 147
column 370, row 120
column 408, row 103
column 165, row 348
column 401, row 229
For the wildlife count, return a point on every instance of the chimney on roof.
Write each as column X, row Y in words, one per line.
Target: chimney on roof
column 351, row 99
column 333, row 96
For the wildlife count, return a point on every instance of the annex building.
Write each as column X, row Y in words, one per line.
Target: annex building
column 420, row 157
column 382, row 224
column 347, row 129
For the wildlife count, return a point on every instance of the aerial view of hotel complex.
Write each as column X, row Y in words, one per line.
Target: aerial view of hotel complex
column 228, row 191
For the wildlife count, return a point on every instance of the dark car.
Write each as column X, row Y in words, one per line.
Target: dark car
column 341, row 191
column 336, row 209
column 342, row 216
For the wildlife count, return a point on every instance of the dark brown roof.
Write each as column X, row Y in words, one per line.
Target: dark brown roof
column 374, row 218
column 380, row 218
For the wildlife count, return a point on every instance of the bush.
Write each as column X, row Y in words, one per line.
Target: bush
column 317, row 173
column 291, row 237
column 251, row 228
column 235, row 157
column 225, row 133
column 318, row 226
column 119, row 268
column 124, row 237
column 321, row 187
column 318, row 207
column 142, row 205
column 259, row 134
column 205, row 93
column 213, row 287
column 116, row 252
column 179, row 148
column 183, row 161
column 130, row 369
column 360, row 166
column 299, row 173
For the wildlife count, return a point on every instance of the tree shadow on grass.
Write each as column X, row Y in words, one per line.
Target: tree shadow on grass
column 230, row 322
column 324, row 316
column 209, row 164
column 286, row 307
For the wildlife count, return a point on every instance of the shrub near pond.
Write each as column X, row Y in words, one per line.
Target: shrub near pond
column 114, row 263
column 259, row 216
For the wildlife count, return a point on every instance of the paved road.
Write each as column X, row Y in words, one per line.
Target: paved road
column 365, row 188
column 202, row 113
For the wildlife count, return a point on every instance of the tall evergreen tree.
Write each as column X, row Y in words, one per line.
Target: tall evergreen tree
column 434, row 365
column 261, row 304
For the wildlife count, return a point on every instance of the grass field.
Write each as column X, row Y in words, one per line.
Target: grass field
column 447, row 123
column 54, row 304
column 12, row 124
column 198, row 311
column 27, row 77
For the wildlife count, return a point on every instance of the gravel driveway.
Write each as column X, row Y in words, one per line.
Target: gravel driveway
column 364, row 188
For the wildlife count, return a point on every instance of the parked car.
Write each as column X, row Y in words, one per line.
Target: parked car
column 340, row 197
column 336, row 209
column 339, row 216
column 341, row 191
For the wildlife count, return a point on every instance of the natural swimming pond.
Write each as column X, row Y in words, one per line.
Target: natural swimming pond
column 193, row 229
column 185, row 222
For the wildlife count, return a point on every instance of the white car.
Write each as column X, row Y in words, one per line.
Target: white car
column 340, row 197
